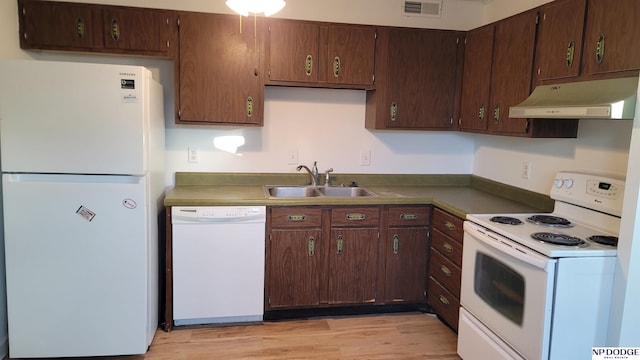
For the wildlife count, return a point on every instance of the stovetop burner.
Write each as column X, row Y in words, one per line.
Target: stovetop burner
column 558, row 239
column 604, row 239
column 550, row 220
column 506, row 220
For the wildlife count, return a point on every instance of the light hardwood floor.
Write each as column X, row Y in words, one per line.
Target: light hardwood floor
column 388, row 336
column 384, row 336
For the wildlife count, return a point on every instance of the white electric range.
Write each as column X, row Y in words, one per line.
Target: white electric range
column 530, row 282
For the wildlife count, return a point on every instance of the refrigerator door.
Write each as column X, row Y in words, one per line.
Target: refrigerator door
column 74, row 118
column 76, row 262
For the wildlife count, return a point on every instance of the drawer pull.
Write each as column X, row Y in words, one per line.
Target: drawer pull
column 249, row 106
column 339, row 244
column 393, row 111
column 80, row 28
column 445, row 270
column 449, row 225
column 481, row 113
column 296, row 218
column 396, row 244
column 409, row 217
column 571, row 49
column 356, row 217
column 336, row 66
column 443, row 300
column 115, row 29
column 447, row 247
column 311, row 246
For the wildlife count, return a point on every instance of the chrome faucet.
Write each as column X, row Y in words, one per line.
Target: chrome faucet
column 313, row 172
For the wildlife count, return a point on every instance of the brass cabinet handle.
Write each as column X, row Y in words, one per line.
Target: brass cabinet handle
column 409, row 217
column 249, row 106
column 445, row 270
column 308, row 65
column 339, row 245
column 336, row 66
column 396, row 244
column 296, row 217
column 481, row 113
column 115, row 29
column 443, row 300
column 80, row 28
column 447, row 247
column 571, row 49
column 600, row 49
column 393, row 111
column 311, row 246
column 449, row 225
column 356, row 217
column 496, row 114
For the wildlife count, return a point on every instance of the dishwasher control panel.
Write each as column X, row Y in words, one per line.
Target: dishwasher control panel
column 218, row 213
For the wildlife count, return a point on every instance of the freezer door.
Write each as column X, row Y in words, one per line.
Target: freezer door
column 76, row 263
column 58, row 117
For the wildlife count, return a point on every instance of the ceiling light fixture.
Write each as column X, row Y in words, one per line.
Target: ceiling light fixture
column 244, row 7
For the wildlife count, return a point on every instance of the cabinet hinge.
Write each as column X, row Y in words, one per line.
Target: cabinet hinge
column 270, row 237
column 378, row 235
column 428, row 234
column 457, row 40
column 269, row 300
column 537, row 19
column 526, row 127
column 375, row 35
column 374, row 78
column 178, row 22
column 425, row 293
column 465, row 41
column 179, row 114
column 269, row 28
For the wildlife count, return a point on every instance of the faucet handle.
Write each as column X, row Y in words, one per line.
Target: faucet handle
column 326, row 176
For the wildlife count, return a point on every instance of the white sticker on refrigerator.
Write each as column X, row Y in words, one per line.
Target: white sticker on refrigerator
column 129, row 203
column 127, row 97
column 85, row 213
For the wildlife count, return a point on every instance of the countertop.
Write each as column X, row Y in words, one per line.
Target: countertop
column 457, row 194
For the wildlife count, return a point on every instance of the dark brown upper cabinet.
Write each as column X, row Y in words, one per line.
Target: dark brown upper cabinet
column 320, row 54
column 416, row 72
column 559, row 42
column 139, row 29
column 219, row 79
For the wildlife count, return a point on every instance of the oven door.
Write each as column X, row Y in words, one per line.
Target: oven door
column 509, row 289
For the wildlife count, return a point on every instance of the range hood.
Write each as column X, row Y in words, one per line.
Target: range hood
column 596, row 99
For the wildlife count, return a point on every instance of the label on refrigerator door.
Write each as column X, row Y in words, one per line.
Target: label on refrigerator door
column 129, row 203
column 127, row 97
column 85, row 213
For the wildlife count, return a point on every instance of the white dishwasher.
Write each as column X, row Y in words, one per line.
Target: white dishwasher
column 218, row 264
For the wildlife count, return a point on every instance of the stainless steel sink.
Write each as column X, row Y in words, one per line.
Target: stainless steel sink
column 291, row 191
column 278, row 191
column 345, row 191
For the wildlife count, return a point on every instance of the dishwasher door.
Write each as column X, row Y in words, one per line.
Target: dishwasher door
column 218, row 264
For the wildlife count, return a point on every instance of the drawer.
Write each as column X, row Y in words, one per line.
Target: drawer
column 447, row 273
column 448, row 224
column 443, row 303
column 296, row 217
column 448, row 247
column 409, row 216
column 355, row 217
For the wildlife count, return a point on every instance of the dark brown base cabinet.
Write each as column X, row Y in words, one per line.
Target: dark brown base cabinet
column 334, row 256
column 445, row 266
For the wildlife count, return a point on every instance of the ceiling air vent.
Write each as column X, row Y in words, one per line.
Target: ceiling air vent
column 431, row 8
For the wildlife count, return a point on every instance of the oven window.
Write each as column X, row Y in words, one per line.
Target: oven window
column 500, row 287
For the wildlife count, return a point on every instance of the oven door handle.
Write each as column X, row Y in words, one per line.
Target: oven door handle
column 509, row 248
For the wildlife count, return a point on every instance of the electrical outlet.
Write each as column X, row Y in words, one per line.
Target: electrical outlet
column 292, row 157
column 526, row 169
column 193, row 155
column 365, row 157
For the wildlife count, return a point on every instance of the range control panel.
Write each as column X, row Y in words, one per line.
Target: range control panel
column 593, row 191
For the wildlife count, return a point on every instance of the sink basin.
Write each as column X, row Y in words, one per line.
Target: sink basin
column 276, row 191
column 345, row 191
column 291, row 191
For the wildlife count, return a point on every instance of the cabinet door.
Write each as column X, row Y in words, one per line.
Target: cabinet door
column 218, row 78
column 293, row 51
column 352, row 265
column 406, row 251
column 350, row 54
column 420, row 86
column 294, row 268
column 511, row 71
column 559, row 42
column 476, row 79
column 138, row 29
column 52, row 25
column 611, row 36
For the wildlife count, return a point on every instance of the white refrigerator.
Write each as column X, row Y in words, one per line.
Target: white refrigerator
column 81, row 152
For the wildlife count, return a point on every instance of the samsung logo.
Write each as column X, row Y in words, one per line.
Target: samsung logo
column 127, row 74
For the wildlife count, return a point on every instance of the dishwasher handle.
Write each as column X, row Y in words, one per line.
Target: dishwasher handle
column 218, row 214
